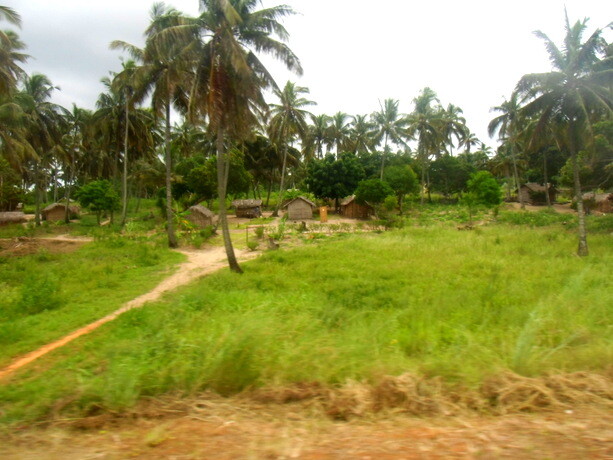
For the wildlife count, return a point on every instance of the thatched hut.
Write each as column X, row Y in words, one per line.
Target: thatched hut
column 201, row 216
column 299, row 208
column 57, row 211
column 600, row 202
column 248, row 208
column 12, row 217
column 352, row 209
column 535, row 194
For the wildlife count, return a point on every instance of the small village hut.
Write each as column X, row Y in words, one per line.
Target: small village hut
column 201, row 216
column 600, row 202
column 534, row 194
column 248, row 208
column 57, row 211
column 352, row 209
column 299, row 208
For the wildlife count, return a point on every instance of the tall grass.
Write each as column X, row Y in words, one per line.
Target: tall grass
column 434, row 301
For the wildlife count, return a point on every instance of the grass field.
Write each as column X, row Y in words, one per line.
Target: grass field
column 428, row 300
column 46, row 295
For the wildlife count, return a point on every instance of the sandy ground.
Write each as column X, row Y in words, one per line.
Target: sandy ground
column 561, row 208
column 231, row 430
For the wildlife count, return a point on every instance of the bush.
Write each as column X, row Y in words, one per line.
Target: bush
column 40, row 292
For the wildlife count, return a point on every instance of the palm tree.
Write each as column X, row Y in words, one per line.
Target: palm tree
column 230, row 78
column 389, row 126
column 77, row 121
column 573, row 96
column 453, row 125
column 424, row 125
column 10, row 58
column 338, row 132
column 319, row 131
column 288, row 120
column 509, row 125
column 470, row 140
column 118, row 125
column 43, row 122
column 164, row 69
column 361, row 138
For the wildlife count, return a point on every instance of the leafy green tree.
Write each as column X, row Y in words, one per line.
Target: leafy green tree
column 574, row 96
column 334, row 178
column 482, row 190
column 449, row 174
column 202, row 179
column 373, row 192
column 99, row 196
column 402, row 180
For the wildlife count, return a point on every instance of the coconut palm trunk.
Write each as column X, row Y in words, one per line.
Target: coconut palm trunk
column 37, row 195
column 546, row 178
column 172, row 239
column 383, row 157
column 582, row 249
column 281, row 187
column 124, row 179
column 516, row 177
column 222, row 181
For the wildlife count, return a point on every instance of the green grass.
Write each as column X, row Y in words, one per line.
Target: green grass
column 45, row 295
column 430, row 300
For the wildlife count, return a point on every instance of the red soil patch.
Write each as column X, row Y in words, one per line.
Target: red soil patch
column 23, row 246
column 234, row 429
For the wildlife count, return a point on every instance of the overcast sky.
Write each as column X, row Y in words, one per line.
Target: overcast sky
column 355, row 53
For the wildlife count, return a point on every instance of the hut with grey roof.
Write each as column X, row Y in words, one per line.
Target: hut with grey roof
column 12, row 217
column 534, row 194
column 248, row 208
column 57, row 211
column 299, row 208
column 201, row 216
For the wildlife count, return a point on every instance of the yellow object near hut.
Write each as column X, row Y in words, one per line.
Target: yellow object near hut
column 323, row 214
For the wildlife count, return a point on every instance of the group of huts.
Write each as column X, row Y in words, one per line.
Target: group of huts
column 301, row 208
column 55, row 212
column 298, row 208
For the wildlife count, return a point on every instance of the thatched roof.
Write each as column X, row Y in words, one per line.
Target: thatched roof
column 307, row 201
column 347, row 200
column 199, row 209
column 246, row 203
column 14, row 217
column 534, row 187
column 598, row 197
column 51, row 207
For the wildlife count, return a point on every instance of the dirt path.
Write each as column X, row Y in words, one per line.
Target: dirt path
column 230, row 429
column 199, row 263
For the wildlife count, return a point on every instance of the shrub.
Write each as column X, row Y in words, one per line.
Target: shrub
column 40, row 292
